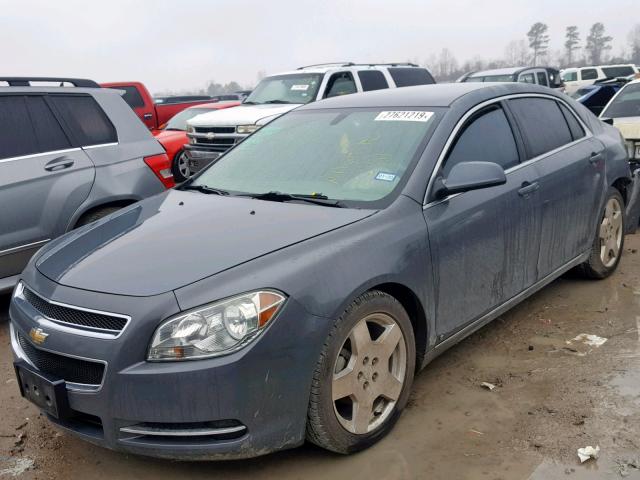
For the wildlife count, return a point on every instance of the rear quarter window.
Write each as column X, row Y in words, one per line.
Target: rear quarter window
column 85, row 119
column 409, row 76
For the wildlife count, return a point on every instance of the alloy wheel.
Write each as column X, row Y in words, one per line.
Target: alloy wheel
column 183, row 165
column 611, row 233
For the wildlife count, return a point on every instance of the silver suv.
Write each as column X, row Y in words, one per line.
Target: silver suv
column 70, row 153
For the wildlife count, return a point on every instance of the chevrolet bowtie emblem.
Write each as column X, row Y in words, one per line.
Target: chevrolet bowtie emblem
column 210, row 135
column 38, row 336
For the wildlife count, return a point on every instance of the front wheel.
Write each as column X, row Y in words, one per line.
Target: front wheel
column 180, row 167
column 608, row 243
column 363, row 378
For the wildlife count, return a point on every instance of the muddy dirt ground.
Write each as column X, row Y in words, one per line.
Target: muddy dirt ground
column 550, row 399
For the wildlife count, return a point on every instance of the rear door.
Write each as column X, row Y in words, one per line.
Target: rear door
column 484, row 243
column 571, row 166
column 44, row 177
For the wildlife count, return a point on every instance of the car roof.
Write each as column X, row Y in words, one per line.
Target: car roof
column 500, row 71
column 321, row 69
column 438, row 95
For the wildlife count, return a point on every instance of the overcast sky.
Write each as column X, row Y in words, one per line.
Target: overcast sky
column 174, row 45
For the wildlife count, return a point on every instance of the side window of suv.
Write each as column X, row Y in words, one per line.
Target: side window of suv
column 542, row 79
column 372, row 80
column 472, row 145
column 85, row 119
column 543, row 124
column 589, row 74
column 341, row 83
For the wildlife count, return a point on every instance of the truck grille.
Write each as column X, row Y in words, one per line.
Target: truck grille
column 71, row 316
column 223, row 138
column 67, row 368
column 215, row 129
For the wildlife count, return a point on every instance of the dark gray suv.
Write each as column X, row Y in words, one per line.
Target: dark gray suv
column 69, row 155
column 324, row 260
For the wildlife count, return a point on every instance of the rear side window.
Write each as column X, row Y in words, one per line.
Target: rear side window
column 589, row 74
column 17, row 136
column 409, row 76
column 85, row 119
column 340, row 84
column 612, row 72
column 542, row 79
column 574, row 126
column 486, row 137
column 542, row 124
column 372, row 80
column 131, row 96
column 49, row 133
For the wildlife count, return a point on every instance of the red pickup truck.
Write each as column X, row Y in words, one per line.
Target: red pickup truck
column 153, row 115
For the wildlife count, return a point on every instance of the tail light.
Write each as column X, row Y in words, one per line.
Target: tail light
column 161, row 166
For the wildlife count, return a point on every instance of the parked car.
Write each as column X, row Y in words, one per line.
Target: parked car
column 347, row 244
column 173, row 136
column 68, row 156
column 574, row 78
column 545, row 76
column 153, row 115
column 595, row 97
column 623, row 111
column 213, row 134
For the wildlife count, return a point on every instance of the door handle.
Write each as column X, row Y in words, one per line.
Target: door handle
column 147, row 116
column 595, row 158
column 528, row 188
column 59, row 163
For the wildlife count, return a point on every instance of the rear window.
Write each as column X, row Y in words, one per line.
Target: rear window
column 131, row 96
column 409, row 76
column 542, row 123
column 612, row 72
column 372, row 80
column 85, row 119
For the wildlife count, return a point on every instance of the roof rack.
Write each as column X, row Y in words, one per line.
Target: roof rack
column 351, row 64
column 26, row 81
column 338, row 64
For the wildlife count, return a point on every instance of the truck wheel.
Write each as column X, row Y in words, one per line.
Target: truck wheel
column 363, row 378
column 95, row 215
column 608, row 243
column 180, row 167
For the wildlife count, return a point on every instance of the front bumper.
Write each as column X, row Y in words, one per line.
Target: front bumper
column 245, row 404
column 199, row 158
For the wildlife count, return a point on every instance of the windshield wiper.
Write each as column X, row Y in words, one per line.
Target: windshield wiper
column 205, row 189
column 277, row 101
column 249, row 103
column 317, row 199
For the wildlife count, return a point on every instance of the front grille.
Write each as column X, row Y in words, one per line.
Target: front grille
column 217, row 141
column 215, row 129
column 69, row 369
column 72, row 316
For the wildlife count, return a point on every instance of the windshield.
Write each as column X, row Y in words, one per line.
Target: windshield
column 357, row 155
column 625, row 104
column 179, row 120
column 298, row 88
column 569, row 76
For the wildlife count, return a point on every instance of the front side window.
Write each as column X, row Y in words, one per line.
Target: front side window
column 85, row 119
column 542, row 79
column 351, row 155
column 527, row 78
column 372, row 80
column 487, row 137
column 589, row 74
column 542, row 124
column 296, row 88
column 625, row 104
column 340, row 84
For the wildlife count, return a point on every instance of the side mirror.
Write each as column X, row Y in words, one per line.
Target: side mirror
column 466, row 176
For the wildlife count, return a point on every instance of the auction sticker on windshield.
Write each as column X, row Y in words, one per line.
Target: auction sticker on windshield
column 404, row 116
column 300, row 87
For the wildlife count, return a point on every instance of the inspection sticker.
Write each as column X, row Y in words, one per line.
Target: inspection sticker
column 404, row 116
column 386, row 177
column 300, row 87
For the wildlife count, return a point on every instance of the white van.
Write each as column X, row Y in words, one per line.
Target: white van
column 574, row 78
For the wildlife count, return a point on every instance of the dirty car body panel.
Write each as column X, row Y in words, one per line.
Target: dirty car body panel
column 454, row 261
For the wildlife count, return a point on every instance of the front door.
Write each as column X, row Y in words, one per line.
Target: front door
column 484, row 243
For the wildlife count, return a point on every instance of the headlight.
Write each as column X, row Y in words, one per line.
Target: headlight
column 190, row 129
column 637, row 153
column 216, row 329
column 247, row 128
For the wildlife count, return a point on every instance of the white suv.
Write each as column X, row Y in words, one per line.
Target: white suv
column 574, row 78
column 212, row 134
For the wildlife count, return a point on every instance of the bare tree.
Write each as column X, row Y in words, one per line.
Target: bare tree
column 538, row 40
column 634, row 43
column 572, row 37
column 516, row 53
column 447, row 64
column 597, row 43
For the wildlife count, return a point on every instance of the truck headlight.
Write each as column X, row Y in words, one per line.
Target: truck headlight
column 637, row 152
column 190, row 129
column 215, row 329
column 247, row 128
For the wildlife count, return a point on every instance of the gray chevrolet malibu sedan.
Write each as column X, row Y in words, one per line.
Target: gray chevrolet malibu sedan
column 323, row 262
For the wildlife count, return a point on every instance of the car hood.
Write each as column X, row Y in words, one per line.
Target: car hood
column 629, row 127
column 241, row 115
column 179, row 237
column 168, row 135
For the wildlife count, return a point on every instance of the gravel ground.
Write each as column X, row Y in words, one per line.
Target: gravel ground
column 550, row 399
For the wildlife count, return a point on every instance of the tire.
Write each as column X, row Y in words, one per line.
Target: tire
column 95, row 215
column 350, row 350
column 180, row 170
column 603, row 261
